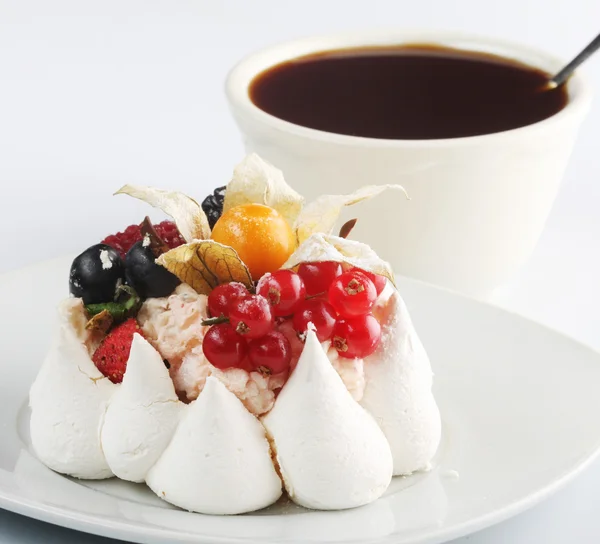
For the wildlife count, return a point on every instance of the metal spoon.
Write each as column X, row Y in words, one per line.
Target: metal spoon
column 568, row 70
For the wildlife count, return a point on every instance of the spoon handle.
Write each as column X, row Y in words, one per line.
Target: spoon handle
column 566, row 72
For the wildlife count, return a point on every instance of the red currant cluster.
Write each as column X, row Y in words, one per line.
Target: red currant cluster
column 341, row 307
column 256, row 334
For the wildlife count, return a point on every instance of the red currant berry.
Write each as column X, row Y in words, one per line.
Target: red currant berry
column 222, row 296
column 286, row 327
column 251, row 316
column 270, row 354
column 352, row 294
column 356, row 337
column 223, row 347
column 318, row 312
column 318, row 277
column 245, row 364
column 378, row 281
column 283, row 289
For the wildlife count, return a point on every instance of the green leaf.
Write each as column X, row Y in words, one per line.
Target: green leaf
column 127, row 304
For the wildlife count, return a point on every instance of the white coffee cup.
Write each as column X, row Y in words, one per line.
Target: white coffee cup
column 477, row 204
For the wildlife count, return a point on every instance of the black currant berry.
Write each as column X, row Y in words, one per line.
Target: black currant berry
column 96, row 274
column 149, row 279
column 213, row 205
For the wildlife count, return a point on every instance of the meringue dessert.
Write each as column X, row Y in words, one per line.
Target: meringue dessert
column 235, row 353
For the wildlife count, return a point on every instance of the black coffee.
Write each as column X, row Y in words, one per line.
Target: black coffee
column 410, row 92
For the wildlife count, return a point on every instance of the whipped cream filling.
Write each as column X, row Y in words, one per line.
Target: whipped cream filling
column 142, row 415
column 68, row 401
column 331, row 453
column 219, row 460
column 256, row 391
column 351, row 371
column 398, row 380
column 173, row 325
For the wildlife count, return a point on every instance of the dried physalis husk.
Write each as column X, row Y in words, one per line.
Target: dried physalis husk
column 204, row 264
column 255, row 181
column 321, row 214
column 100, row 322
column 325, row 247
column 185, row 211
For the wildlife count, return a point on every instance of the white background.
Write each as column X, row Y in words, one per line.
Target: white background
column 97, row 94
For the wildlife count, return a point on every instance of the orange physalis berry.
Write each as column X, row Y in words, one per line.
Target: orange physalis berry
column 261, row 236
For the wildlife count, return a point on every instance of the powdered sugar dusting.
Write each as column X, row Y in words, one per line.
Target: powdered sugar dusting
column 105, row 260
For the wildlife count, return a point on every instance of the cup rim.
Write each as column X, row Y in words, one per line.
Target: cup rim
column 241, row 75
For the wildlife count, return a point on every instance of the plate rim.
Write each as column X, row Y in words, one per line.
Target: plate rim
column 132, row 531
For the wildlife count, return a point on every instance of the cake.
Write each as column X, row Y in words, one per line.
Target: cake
column 235, row 353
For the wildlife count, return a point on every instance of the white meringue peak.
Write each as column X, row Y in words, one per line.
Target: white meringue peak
column 142, row 415
column 331, row 453
column 68, row 401
column 219, row 460
column 398, row 393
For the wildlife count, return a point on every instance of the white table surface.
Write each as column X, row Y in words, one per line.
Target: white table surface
column 96, row 94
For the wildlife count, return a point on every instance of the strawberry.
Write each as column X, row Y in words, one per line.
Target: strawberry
column 112, row 354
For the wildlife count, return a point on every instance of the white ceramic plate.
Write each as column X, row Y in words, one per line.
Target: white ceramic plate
column 520, row 406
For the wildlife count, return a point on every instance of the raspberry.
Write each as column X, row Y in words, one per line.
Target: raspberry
column 169, row 232
column 123, row 241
